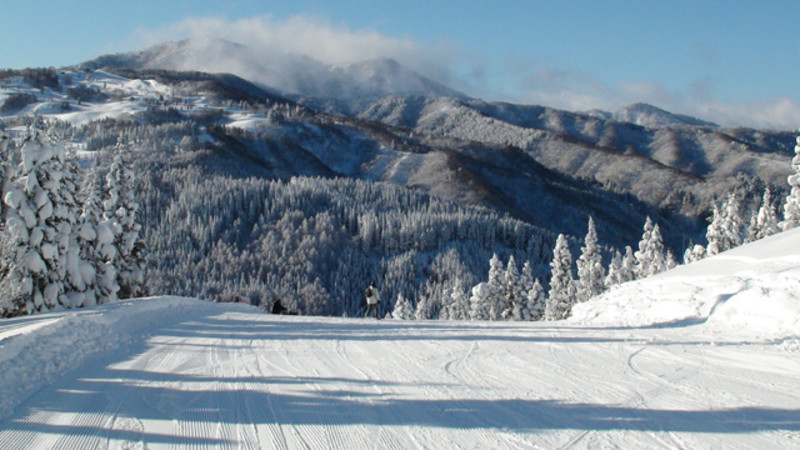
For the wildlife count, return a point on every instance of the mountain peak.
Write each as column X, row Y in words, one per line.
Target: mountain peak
column 287, row 72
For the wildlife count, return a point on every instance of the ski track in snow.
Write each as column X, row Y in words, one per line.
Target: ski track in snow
column 225, row 376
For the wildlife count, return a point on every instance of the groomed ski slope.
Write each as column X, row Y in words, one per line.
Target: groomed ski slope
column 179, row 373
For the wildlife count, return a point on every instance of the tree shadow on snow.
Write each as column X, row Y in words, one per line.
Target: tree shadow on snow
column 336, row 401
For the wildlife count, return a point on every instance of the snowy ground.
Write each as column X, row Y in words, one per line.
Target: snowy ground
column 171, row 372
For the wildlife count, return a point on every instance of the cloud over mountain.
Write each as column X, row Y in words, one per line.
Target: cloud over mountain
column 273, row 41
column 520, row 79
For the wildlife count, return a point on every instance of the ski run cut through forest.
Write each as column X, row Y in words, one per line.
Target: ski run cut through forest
column 702, row 356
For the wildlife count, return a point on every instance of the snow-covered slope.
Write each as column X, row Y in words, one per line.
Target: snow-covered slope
column 752, row 290
column 681, row 167
column 702, row 356
column 176, row 373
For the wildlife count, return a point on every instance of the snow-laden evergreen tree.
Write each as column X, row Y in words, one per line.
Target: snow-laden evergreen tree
column 731, row 223
column 627, row 272
column 496, row 287
column 403, row 310
column 651, row 257
column 522, row 309
column 423, row 310
column 121, row 206
column 655, row 255
column 791, row 206
column 479, row 302
column 613, row 277
column 694, row 252
column 512, row 289
column 532, row 305
column 764, row 222
column 80, row 273
column 526, row 279
column 670, row 261
column 642, row 255
column 537, row 301
column 97, row 242
column 459, row 302
column 39, row 220
column 715, row 232
column 591, row 274
column 562, row 286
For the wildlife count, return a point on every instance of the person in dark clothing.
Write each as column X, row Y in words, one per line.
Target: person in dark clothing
column 373, row 298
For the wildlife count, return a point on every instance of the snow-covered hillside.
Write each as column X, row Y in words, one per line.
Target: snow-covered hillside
column 703, row 356
column 752, row 290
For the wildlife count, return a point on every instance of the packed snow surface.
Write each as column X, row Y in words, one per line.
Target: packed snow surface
column 706, row 357
column 752, row 290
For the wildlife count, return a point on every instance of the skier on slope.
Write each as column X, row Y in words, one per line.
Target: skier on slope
column 373, row 298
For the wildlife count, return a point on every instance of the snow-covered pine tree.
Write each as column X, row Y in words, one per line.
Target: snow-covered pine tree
column 496, row 285
column 591, row 274
column 512, row 290
column 96, row 239
column 614, row 270
column 764, row 222
column 695, row 252
column 656, row 256
column 670, row 261
column 403, row 310
column 627, row 272
column 642, row 256
column 562, row 286
column 791, row 206
column 121, row 207
column 80, row 273
column 534, row 305
column 538, row 299
column 651, row 257
column 714, row 232
column 479, row 302
column 459, row 304
column 40, row 224
column 423, row 310
column 526, row 278
column 523, row 308
column 731, row 225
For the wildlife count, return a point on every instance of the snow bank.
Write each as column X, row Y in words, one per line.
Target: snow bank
column 752, row 290
column 34, row 350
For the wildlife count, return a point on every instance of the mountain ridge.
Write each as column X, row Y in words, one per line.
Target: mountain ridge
column 289, row 73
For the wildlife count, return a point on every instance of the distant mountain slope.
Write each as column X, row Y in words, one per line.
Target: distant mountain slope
column 289, row 73
column 680, row 167
column 652, row 117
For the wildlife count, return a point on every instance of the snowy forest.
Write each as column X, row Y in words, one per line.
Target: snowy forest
column 82, row 230
column 171, row 198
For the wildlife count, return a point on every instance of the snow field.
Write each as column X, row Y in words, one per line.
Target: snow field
column 188, row 374
column 37, row 349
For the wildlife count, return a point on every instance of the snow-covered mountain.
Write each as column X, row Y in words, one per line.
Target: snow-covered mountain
column 701, row 356
column 289, row 73
column 535, row 170
column 671, row 165
column 652, row 117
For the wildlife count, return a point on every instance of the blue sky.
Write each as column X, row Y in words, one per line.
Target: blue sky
column 736, row 62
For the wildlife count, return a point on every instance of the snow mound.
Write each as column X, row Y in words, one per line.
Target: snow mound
column 36, row 349
column 751, row 290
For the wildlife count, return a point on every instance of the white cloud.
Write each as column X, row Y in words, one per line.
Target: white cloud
column 315, row 38
column 519, row 79
column 576, row 90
